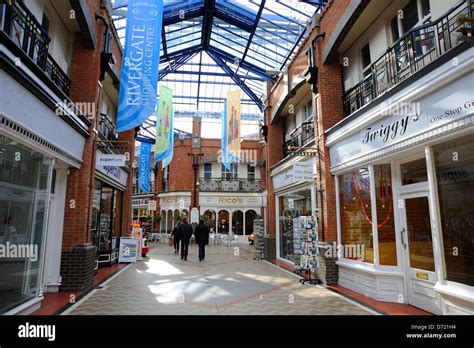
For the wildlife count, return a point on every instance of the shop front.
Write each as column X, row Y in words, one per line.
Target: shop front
column 106, row 228
column 232, row 214
column 405, row 183
column 295, row 197
column 173, row 206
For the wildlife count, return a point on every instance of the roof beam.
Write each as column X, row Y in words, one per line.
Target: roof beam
column 254, row 29
column 199, row 81
column 237, row 80
column 207, row 20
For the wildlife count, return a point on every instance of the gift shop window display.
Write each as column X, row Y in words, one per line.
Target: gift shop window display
column 292, row 206
column 106, row 222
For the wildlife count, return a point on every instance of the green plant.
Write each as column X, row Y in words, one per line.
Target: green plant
column 158, row 218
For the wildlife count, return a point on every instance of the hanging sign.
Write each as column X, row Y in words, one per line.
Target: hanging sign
column 230, row 144
column 195, row 216
column 164, row 124
column 141, row 61
column 144, row 167
column 303, row 171
column 152, row 205
column 105, row 159
column 169, row 158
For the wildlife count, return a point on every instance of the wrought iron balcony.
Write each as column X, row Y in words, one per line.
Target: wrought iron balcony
column 411, row 53
column 107, row 127
column 301, row 136
column 229, row 185
column 28, row 34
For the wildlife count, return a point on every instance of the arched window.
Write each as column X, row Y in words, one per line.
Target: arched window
column 250, row 215
column 238, row 223
column 163, row 221
column 170, row 221
column 223, row 226
column 210, row 219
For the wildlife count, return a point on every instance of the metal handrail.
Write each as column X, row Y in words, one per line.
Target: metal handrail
column 229, row 185
column 300, row 136
column 409, row 54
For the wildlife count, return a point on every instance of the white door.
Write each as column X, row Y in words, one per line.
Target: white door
column 417, row 243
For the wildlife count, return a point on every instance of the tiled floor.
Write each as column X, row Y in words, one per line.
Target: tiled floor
column 229, row 281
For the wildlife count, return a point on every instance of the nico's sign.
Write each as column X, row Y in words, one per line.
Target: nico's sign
column 107, row 160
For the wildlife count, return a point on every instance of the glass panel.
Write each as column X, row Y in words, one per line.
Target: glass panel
column 223, row 226
column 394, row 29
column 25, row 176
column 414, row 172
column 96, row 213
column 455, row 177
column 410, row 16
column 250, row 172
column 105, row 219
column 419, row 233
column 356, row 217
column 238, row 223
column 292, row 205
column 385, row 218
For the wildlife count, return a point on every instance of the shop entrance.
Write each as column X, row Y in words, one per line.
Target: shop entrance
column 417, row 250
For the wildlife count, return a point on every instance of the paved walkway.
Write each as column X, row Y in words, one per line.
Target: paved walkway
column 229, row 281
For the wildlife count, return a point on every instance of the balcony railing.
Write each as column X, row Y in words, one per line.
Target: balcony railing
column 28, row 34
column 229, row 185
column 411, row 53
column 301, row 136
column 106, row 127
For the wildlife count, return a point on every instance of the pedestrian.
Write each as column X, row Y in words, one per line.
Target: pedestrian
column 185, row 233
column 202, row 238
column 175, row 234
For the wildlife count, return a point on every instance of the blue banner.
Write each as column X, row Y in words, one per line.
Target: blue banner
column 144, row 167
column 140, row 66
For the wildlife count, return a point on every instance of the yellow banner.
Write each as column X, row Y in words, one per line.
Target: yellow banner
column 233, row 123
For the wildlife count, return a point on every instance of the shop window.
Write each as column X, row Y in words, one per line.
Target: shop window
column 454, row 162
column 238, row 223
column 385, row 217
column 210, row 219
column 223, row 226
column 414, row 172
column 356, row 216
column 250, row 216
column 292, row 205
column 23, row 216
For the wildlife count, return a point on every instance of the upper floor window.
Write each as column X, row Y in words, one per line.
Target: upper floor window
column 365, row 57
column 416, row 12
column 250, row 173
column 208, row 171
column 308, row 112
column 229, row 174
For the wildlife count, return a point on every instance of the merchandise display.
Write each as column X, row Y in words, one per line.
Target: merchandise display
column 305, row 243
column 259, row 233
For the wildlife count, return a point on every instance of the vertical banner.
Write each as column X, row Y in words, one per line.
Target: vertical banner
column 141, row 60
column 144, row 167
column 164, row 123
column 231, row 130
column 169, row 158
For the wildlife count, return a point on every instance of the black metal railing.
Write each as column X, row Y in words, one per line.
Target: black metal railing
column 229, row 185
column 106, row 127
column 409, row 54
column 28, row 34
column 301, row 136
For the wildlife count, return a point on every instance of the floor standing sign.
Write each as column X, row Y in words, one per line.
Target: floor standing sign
column 137, row 233
column 128, row 250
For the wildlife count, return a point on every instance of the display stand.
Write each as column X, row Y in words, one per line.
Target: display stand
column 259, row 233
column 305, row 239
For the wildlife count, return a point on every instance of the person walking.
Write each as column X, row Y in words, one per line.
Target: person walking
column 175, row 234
column 185, row 233
column 202, row 238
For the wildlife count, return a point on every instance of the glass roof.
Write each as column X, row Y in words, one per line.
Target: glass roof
column 211, row 47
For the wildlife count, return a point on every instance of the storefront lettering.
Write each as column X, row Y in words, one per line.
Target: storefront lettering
column 452, row 113
column 112, row 171
column 452, row 176
column 391, row 131
column 231, row 201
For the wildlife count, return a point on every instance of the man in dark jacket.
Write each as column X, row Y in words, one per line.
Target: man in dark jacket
column 202, row 238
column 176, row 237
column 185, row 232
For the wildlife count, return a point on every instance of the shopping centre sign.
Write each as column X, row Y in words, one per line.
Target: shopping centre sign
column 302, row 171
column 437, row 109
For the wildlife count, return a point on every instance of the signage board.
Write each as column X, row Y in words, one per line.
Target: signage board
column 105, row 159
column 152, row 205
column 128, row 250
column 194, row 216
column 303, row 171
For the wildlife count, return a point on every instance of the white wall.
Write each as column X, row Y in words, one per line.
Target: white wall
column 439, row 7
column 241, row 171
